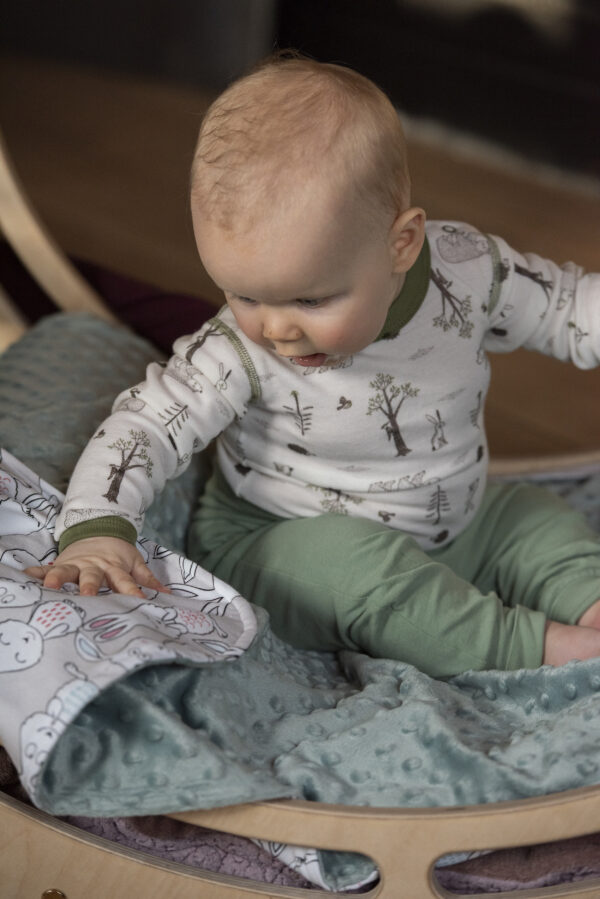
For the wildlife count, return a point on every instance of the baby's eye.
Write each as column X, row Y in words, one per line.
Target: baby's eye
column 247, row 301
column 310, row 303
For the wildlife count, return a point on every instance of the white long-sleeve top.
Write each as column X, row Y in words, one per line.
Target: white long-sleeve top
column 393, row 433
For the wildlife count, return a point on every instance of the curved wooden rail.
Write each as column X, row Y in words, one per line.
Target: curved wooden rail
column 39, row 852
column 405, row 843
column 38, row 252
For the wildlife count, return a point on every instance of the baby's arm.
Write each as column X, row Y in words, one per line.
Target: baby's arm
column 95, row 562
column 564, row 642
column 554, row 309
column 149, row 438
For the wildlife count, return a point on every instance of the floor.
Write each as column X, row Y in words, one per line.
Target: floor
column 104, row 158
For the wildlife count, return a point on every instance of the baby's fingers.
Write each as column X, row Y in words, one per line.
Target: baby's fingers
column 90, row 577
column 53, row 577
column 146, row 578
column 37, row 571
column 118, row 579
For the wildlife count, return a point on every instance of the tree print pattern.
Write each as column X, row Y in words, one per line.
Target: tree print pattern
column 471, row 493
column 302, row 415
column 174, row 418
column 134, row 454
column 454, row 312
column 212, row 331
column 475, row 413
column 384, row 401
column 537, row 278
column 438, row 504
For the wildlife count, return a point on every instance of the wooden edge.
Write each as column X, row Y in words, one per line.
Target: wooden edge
column 38, row 252
column 405, row 843
column 12, row 324
column 39, row 852
column 567, row 464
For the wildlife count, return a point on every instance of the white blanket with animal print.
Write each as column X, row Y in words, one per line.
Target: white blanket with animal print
column 58, row 650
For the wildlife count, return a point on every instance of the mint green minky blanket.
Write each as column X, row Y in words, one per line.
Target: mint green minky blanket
column 276, row 721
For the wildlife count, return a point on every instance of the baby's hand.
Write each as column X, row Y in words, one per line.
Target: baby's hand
column 98, row 561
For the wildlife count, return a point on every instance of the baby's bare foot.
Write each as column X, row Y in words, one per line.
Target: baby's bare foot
column 564, row 642
column 591, row 617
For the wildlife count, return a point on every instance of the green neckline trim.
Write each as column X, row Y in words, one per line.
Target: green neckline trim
column 411, row 297
column 244, row 355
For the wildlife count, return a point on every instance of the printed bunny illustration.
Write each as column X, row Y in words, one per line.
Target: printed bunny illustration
column 169, row 621
column 197, row 625
column 28, row 510
column 221, row 384
column 27, row 515
column 22, row 644
column 19, row 593
column 41, row 730
column 21, row 552
column 438, row 438
column 135, row 654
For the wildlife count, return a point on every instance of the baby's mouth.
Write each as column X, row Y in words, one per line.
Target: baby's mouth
column 314, row 359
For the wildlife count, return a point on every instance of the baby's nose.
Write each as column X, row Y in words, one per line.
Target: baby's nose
column 278, row 326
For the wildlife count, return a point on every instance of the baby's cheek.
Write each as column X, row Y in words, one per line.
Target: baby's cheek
column 347, row 336
column 250, row 328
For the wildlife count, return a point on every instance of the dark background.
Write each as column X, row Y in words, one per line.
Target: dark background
column 524, row 73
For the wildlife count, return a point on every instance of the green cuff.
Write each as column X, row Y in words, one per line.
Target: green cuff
column 107, row 526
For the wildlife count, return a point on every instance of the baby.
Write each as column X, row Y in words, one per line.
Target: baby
column 345, row 380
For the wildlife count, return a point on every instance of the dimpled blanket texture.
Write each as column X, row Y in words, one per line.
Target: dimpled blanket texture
column 275, row 721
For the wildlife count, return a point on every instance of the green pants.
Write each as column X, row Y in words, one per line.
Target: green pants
column 334, row 581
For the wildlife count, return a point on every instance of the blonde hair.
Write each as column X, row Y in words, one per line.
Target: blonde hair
column 293, row 122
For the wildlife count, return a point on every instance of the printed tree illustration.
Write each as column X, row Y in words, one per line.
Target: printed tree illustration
column 472, row 491
column 388, row 400
column 174, row 417
column 212, row 331
column 474, row 413
column 134, row 454
column 537, row 277
column 438, row 504
column 454, row 311
column 302, row 414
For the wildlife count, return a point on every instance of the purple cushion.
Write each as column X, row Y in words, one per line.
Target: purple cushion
column 158, row 315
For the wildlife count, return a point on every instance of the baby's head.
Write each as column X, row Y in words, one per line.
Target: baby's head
column 300, row 175
column 296, row 124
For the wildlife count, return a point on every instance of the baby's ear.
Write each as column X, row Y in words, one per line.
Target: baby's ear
column 406, row 238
